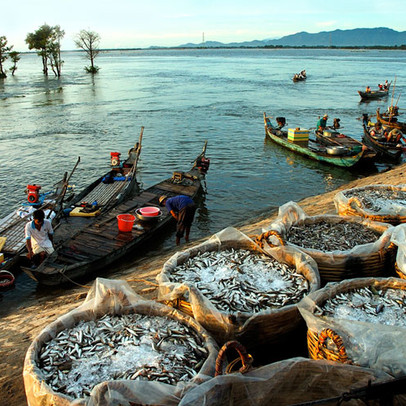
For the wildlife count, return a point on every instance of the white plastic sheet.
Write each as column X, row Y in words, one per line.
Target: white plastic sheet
column 112, row 297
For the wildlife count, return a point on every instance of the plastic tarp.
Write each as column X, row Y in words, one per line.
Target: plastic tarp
column 373, row 345
column 292, row 214
column 288, row 382
column 387, row 207
column 250, row 328
column 113, row 297
column 399, row 239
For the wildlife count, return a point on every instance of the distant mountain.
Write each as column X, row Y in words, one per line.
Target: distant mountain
column 357, row 37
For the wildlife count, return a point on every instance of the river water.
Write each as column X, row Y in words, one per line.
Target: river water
column 182, row 98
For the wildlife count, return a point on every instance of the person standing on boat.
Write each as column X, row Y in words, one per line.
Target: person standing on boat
column 39, row 237
column 182, row 209
column 322, row 123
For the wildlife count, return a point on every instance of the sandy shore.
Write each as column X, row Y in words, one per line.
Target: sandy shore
column 22, row 324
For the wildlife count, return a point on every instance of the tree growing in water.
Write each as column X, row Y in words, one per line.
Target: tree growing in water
column 89, row 41
column 15, row 57
column 4, row 53
column 47, row 40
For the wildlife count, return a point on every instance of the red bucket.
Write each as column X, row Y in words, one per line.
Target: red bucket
column 125, row 222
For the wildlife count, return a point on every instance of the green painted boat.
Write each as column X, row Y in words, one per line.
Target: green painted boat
column 313, row 149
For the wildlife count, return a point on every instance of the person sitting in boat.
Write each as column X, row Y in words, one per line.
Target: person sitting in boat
column 336, row 124
column 182, row 209
column 302, row 74
column 394, row 136
column 368, row 89
column 380, row 86
column 386, row 85
column 39, row 237
column 321, row 124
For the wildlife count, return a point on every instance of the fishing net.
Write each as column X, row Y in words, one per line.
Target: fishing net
column 399, row 239
column 261, row 326
column 107, row 300
column 359, row 321
column 366, row 259
column 288, row 382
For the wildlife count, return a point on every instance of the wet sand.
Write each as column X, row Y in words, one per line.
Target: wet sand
column 21, row 325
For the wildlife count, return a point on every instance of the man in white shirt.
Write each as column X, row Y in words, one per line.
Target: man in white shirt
column 39, row 237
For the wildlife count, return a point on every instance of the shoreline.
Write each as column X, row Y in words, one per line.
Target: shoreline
column 21, row 325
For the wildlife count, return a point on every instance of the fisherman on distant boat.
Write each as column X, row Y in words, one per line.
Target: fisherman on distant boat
column 336, row 123
column 322, row 123
column 368, row 89
column 380, row 86
column 386, row 85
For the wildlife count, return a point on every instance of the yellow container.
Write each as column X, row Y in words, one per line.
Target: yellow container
column 1, row 257
column 298, row 134
column 77, row 212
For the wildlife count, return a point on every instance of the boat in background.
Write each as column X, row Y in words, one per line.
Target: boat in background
column 390, row 121
column 298, row 77
column 102, row 243
column 297, row 140
column 374, row 94
column 387, row 148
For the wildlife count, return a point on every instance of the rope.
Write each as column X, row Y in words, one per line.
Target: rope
column 72, row 281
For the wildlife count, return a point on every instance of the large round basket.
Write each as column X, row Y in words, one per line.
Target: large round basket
column 336, row 266
column 355, row 205
column 346, row 340
column 268, row 326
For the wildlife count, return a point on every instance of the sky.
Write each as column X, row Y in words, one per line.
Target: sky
column 167, row 23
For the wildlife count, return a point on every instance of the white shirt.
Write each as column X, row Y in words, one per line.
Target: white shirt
column 39, row 238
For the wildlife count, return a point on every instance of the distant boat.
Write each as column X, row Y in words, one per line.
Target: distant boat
column 298, row 77
column 374, row 94
column 332, row 155
column 390, row 121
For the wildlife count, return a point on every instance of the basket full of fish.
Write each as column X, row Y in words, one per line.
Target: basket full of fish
column 384, row 203
column 119, row 344
column 360, row 322
column 399, row 239
column 344, row 247
column 236, row 290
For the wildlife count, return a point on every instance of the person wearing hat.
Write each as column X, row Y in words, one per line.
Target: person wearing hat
column 322, row 123
column 182, row 209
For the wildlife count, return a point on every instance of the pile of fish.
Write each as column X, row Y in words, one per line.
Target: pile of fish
column 129, row 346
column 241, row 280
column 330, row 236
column 376, row 199
column 367, row 304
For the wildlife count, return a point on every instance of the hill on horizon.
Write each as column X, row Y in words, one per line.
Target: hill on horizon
column 356, row 37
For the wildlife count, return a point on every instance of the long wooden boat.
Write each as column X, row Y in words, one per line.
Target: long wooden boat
column 12, row 226
column 314, row 149
column 391, row 122
column 332, row 138
column 100, row 244
column 385, row 150
column 112, row 188
column 374, row 94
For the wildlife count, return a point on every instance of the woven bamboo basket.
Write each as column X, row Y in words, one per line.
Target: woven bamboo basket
column 354, row 207
column 317, row 341
column 399, row 272
column 262, row 328
column 346, row 266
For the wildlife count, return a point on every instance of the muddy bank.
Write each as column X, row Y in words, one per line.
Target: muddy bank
column 22, row 324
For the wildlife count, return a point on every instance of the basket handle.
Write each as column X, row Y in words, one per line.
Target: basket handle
column 355, row 203
column 246, row 359
column 329, row 333
column 264, row 237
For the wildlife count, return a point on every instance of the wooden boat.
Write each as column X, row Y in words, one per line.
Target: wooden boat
column 337, row 156
column 374, row 94
column 100, row 244
column 12, row 226
column 385, row 150
column 391, row 122
column 110, row 189
column 333, row 138
column 298, row 77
